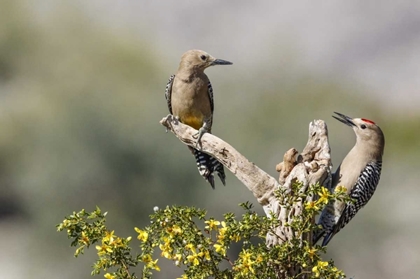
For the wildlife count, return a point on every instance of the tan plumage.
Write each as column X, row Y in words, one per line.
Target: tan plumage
column 189, row 95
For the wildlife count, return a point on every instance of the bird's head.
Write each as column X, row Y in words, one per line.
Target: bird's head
column 366, row 130
column 200, row 60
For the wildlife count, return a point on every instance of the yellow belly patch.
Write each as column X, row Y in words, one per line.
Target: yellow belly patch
column 193, row 121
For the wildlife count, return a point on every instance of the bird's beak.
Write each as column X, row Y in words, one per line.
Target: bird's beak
column 220, row 62
column 344, row 119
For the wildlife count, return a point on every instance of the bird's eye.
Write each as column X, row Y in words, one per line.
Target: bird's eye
column 363, row 126
column 203, row 57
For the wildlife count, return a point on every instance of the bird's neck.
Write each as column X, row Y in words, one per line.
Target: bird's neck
column 190, row 74
column 371, row 152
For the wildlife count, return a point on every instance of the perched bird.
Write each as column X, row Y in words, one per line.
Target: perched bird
column 359, row 173
column 189, row 95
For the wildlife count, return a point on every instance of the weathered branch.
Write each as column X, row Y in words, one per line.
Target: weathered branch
column 312, row 166
column 255, row 179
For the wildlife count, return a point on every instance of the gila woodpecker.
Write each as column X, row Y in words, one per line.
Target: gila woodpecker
column 189, row 95
column 359, row 173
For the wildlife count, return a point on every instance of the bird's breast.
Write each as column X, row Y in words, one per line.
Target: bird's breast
column 189, row 112
column 193, row 120
column 191, row 103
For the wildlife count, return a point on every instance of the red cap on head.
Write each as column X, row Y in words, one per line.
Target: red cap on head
column 368, row 121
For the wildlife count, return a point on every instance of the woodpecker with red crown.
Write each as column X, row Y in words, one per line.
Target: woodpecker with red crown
column 359, row 173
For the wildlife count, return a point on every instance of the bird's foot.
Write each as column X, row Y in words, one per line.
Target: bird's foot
column 176, row 121
column 198, row 136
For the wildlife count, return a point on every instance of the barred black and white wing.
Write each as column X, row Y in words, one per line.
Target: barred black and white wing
column 362, row 192
column 168, row 92
column 210, row 92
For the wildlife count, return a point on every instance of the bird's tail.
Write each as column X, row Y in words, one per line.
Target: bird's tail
column 327, row 225
column 207, row 166
column 317, row 234
column 327, row 238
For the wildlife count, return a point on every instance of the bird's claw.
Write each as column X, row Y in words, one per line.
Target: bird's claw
column 175, row 120
column 198, row 136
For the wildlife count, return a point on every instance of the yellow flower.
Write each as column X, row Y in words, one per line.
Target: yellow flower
column 320, row 266
column 109, row 276
column 109, row 237
column 166, row 254
column 311, row 205
column 212, row 224
column 84, row 238
column 117, row 242
column 222, row 231
column 311, row 252
column 193, row 259
column 324, row 195
column 103, row 249
column 166, row 243
column 190, row 247
column 150, row 263
column 220, row 249
column 205, row 254
column 166, row 248
column 246, row 263
column 172, row 231
column 176, row 229
column 143, row 235
column 146, row 258
column 246, row 256
column 340, row 189
column 246, row 268
column 315, row 271
column 153, row 265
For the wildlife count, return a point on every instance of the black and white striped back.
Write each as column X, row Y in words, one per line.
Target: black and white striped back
column 362, row 192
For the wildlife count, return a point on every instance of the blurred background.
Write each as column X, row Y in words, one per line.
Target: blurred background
column 82, row 92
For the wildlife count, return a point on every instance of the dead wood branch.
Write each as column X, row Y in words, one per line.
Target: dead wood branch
column 255, row 179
